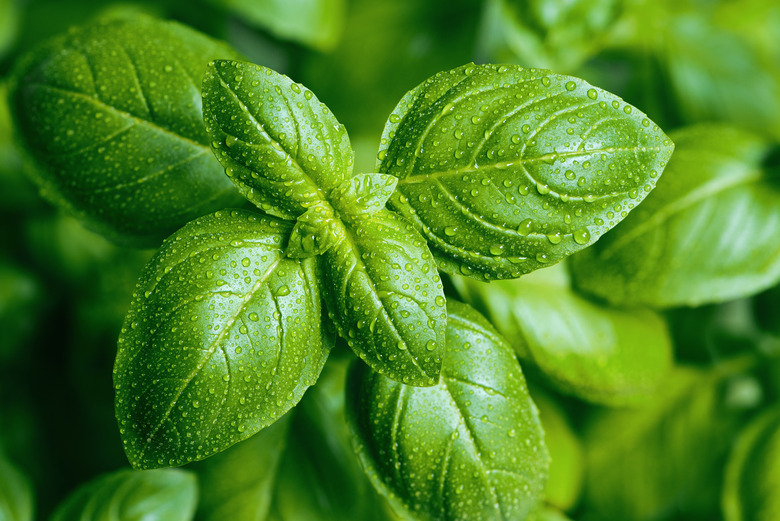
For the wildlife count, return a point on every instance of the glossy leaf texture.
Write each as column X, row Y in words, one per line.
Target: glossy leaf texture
column 131, row 495
column 315, row 23
column 16, row 496
column 666, row 456
column 753, row 473
column 238, row 484
column 222, row 338
column 699, row 238
column 470, row 447
column 598, row 353
column 505, row 170
column 112, row 114
column 383, row 292
column 280, row 145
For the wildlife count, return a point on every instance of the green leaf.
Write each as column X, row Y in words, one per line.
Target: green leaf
column 222, row 338
column 567, row 464
column 383, row 292
column 238, row 484
column 666, row 456
column 16, row 497
column 696, row 239
column 547, row 514
column 320, row 477
column 559, row 34
column 279, row 144
column 9, row 23
column 129, row 495
column 469, row 448
column 111, row 112
column 316, row 23
column 21, row 296
column 598, row 353
column 753, row 472
column 364, row 194
column 505, row 170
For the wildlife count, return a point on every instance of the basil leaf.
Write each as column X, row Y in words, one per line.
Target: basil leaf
column 666, row 456
column 317, row 23
column 222, row 338
column 687, row 244
column 238, row 483
column 364, row 194
column 128, row 495
column 566, row 455
column 469, row 448
column 111, row 112
column 505, row 170
column 16, row 498
column 753, row 472
column 598, row 353
column 382, row 290
column 279, row 144
column 557, row 35
column 320, row 477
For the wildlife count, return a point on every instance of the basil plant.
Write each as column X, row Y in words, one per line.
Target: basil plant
column 483, row 171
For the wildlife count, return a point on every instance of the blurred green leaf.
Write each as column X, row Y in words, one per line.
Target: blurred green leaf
column 667, row 456
column 699, row 237
column 750, row 492
column 21, row 296
column 16, row 495
column 315, row 23
column 130, row 495
column 593, row 351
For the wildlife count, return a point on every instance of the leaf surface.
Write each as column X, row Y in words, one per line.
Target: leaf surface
column 505, row 170
column 112, row 114
column 599, row 353
column 470, row 447
column 280, row 145
column 131, row 495
column 699, row 237
column 383, row 292
column 222, row 338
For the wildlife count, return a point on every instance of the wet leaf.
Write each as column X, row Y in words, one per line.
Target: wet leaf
column 505, row 170
column 222, row 338
column 112, row 114
column 698, row 238
column 470, row 447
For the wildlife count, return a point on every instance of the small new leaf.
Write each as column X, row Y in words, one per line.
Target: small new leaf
column 279, row 144
column 505, row 170
column 383, row 292
column 222, row 338
column 470, row 447
column 363, row 194
column 315, row 231
column 111, row 113
column 131, row 495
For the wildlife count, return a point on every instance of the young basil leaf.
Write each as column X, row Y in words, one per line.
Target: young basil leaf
column 317, row 23
column 598, row 353
column 320, row 477
column 566, row 456
column 383, row 292
column 505, row 170
column 469, row 448
column 16, row 498
column 222, row 338
column 691, row 242
column 131, row 495
column 279, row 144
column 666, row 456
column 238, row 483
column 111, row 112
column 364, row 194
column 753, row 472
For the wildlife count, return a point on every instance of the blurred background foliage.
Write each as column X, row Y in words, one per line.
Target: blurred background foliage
column 64, row 290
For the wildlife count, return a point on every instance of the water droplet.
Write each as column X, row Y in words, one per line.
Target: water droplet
column 450, row 231
column 497, row 249
column 581, row 236
column 570, row 85
column 593, row 94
